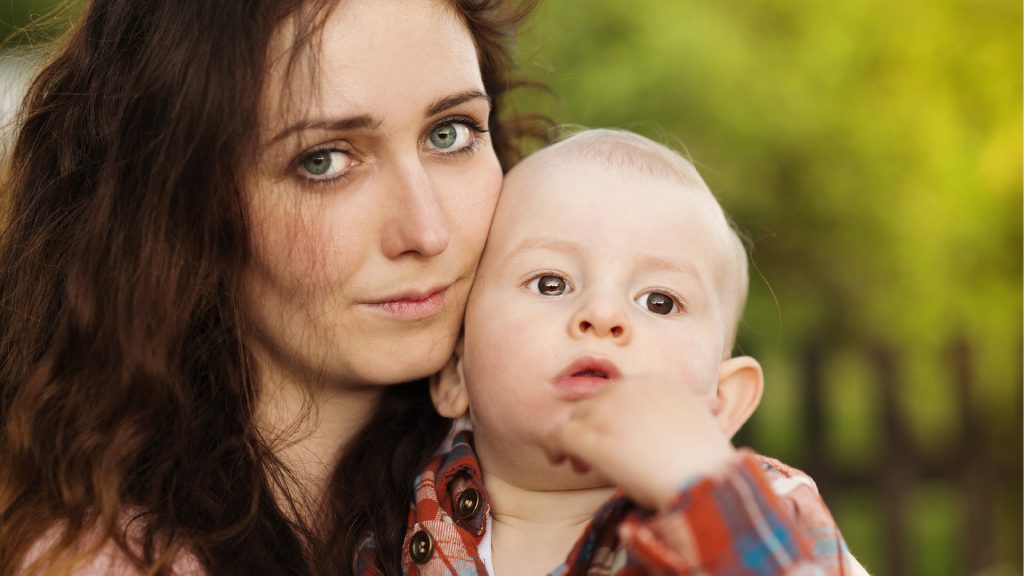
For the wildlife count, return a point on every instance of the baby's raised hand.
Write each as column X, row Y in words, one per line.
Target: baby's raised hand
column 645, row 434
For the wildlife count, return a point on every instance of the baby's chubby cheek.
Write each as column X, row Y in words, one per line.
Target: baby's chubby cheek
column 713, row 402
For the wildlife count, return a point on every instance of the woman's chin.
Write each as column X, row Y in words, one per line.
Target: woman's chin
column 414, row 362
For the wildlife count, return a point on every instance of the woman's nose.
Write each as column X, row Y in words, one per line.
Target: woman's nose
column 416, row 224
column 601, row 317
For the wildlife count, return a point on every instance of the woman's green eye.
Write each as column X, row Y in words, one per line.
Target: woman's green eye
column 317, row 163
column 657, row 302
column 453, row 135
column 325, row 164
column 549, row 285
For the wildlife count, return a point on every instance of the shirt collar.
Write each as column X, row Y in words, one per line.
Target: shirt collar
column 458, row 481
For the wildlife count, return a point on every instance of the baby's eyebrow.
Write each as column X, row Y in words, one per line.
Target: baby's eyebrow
column 549, row 244
column 644, row 261
column 652, row 262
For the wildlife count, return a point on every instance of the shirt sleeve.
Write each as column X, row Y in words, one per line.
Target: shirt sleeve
column 801, row 500
column 735, row 522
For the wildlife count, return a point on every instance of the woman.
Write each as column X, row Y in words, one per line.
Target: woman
column 233, row 228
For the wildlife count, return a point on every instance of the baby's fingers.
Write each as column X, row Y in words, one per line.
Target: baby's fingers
column 576, row 439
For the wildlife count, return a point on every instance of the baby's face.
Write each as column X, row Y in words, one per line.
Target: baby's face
column 591, row 273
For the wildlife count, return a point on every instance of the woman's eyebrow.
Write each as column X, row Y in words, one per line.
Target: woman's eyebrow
column 327, row 124
column 368, row 122
column 454, row 100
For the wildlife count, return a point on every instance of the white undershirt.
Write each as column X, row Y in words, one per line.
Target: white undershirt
column 484, row 551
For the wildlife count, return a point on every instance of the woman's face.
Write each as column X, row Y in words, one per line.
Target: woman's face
column 371, row 197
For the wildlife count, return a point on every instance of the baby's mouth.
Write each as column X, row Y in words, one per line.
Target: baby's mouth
column 585, row 377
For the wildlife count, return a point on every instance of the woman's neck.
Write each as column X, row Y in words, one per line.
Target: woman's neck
column 534, row 530
column 307, row 428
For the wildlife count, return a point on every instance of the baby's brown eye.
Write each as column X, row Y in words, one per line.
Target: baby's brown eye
column 658, row 303
column 551, row 285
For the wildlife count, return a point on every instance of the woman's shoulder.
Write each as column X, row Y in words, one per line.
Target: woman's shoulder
column 95, row 554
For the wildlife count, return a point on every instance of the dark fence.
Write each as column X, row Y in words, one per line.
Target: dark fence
column 982, row 467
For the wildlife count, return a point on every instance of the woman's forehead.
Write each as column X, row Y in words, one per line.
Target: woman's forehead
column 368, row 57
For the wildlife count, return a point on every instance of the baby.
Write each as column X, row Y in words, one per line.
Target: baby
column 597, row 374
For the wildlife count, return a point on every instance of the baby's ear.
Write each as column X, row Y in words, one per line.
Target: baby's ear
column 448, row 387
column 740, row 384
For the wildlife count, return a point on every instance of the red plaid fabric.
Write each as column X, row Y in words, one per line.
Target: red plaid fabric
column 756, row 517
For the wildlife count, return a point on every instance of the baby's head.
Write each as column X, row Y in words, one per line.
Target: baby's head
column 638, row 160
column 608, row 257
column 632, row 155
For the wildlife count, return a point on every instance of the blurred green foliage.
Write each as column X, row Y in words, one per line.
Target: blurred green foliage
column 35, row 22
column 872, row 152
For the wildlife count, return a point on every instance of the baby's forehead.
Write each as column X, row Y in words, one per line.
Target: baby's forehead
column 645, row 163
column 569, row 188
column 561, row 173
column 610, row 150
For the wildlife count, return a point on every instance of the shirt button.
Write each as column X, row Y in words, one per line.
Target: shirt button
column 467, row 503
column 421, row 546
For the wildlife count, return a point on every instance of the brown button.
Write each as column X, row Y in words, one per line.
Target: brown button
column 467, row 503
column 421, row 546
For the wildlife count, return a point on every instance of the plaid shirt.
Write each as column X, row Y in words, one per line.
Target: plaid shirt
column 757, row 517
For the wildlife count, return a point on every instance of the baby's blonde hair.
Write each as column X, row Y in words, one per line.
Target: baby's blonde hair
column 636, row 153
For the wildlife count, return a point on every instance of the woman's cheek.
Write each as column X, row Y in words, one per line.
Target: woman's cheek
column 298, row 271
column 301, row 245
column 473, row 201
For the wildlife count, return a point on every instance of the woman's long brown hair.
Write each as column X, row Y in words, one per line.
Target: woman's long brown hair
column 124, row 381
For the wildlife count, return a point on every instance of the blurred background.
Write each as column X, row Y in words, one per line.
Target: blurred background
column 872, row 153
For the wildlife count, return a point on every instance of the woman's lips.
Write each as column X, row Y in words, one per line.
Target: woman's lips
column 412, row 305
column 585, row 377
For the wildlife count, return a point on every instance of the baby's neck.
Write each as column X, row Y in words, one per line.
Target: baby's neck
column 534, row 530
